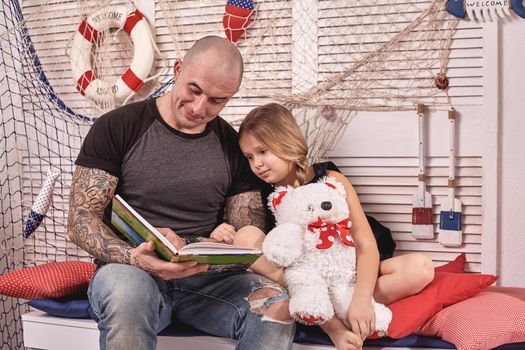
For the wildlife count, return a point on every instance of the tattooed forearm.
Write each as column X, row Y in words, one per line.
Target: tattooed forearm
column 246, row 209
column 91, row 192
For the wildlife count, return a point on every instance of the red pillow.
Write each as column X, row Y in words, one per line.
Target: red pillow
column 51, row 280
column 491, row 318
column 447, row 288
column 456, row 266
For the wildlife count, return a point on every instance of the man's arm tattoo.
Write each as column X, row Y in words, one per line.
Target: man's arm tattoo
column 91, row 192
column 246, row 209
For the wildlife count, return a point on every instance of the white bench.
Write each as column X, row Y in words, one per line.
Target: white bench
column 42, row 331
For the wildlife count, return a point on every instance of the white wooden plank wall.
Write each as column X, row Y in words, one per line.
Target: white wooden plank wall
column 386, row 185
column 383, row 172
column 195, row 18
column 379, row 154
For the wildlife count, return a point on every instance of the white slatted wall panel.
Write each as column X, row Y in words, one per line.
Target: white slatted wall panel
column 464, row 69
column 386, row 185
column 193, row 18
column 379, row 155
column 197, row 18
column 385, row 178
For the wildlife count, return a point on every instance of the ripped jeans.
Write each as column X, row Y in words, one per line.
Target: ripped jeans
column 133, row 307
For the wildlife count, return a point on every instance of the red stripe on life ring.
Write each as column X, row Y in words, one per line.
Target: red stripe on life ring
column 84, row 81
column 88, row 32
column 133, row 18
column 132, row 81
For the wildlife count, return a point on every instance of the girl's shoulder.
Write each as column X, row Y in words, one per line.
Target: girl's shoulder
column 329, row 169
column 322, row 169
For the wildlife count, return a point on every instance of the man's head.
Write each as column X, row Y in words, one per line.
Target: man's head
column 209, row 76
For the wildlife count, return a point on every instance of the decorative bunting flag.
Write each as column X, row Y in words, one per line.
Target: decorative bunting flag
column 237, row 18
column 41, row 205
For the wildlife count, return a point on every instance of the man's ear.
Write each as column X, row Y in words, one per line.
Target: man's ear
column 177, row 68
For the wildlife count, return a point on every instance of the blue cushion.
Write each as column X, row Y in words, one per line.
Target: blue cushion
column 68, row 308
column 304, row 334
column 315, row 335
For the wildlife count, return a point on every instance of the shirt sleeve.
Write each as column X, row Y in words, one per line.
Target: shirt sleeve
column 243, row 179
column 113, row 134
column 100, row 148
column 332, row 166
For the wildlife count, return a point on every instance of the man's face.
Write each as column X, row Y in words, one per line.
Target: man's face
column 201, row 90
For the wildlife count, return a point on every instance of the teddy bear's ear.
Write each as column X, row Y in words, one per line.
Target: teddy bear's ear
column 336, row 185
column 277, row 197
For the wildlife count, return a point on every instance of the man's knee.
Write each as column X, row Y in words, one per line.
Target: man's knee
column 272, row 302
column 122, row 288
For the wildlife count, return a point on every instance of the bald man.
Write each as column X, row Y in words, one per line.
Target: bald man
column 179, row 165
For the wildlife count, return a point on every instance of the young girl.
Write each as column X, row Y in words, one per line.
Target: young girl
column 276, row 150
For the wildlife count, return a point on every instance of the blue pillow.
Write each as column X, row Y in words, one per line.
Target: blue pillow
column 68, row 308
column 304, row 334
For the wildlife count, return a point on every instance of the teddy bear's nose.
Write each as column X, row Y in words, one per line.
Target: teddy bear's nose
column 326, row 205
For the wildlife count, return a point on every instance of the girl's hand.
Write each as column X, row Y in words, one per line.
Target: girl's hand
column 223, row 233
column 361, row 317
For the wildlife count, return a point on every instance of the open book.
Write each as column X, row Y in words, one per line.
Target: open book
column 220, row 256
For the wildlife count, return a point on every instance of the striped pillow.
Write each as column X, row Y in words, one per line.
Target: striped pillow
column 494, row 317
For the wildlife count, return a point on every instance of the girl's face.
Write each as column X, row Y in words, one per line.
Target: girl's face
column 266, row 165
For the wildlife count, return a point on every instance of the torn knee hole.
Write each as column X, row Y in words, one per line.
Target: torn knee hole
column 271, row 303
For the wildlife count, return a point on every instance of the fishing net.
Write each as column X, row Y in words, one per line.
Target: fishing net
column 351, row 56
column 326, row 60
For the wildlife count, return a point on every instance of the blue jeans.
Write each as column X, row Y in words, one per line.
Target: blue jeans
column 132, row 307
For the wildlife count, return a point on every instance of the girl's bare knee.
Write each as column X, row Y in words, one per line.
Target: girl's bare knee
column 422, row 270
column 249, row 236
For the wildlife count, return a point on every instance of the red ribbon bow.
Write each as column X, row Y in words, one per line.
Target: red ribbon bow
column 328, row 231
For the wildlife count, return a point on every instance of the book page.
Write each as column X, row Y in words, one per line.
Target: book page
column 130, row 223
column 215, row 248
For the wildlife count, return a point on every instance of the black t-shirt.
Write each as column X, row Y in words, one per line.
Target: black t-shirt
column 171, row 178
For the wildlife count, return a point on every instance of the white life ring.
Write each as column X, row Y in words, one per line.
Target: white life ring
column 143, row 54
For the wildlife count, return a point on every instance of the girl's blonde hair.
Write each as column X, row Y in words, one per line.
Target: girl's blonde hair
column 275, row 127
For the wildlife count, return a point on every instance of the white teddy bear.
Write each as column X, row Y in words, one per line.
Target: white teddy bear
column 312, row 241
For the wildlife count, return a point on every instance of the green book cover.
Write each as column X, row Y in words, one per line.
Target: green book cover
column 137, row 227
column 220, row 256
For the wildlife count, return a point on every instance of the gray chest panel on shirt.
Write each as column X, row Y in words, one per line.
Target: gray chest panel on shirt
column 187, row 177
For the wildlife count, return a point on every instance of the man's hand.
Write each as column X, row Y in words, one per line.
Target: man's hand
column 145, row 258
column 223, row 233
column 172, row 237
